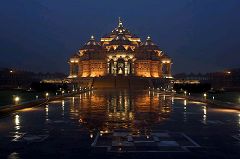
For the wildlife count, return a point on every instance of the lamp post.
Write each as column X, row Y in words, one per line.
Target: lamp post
column 47, row 95
column 205, row 95
column 16, row 99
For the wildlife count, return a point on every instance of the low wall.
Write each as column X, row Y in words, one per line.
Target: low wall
column 10, row 108
column 212, row 103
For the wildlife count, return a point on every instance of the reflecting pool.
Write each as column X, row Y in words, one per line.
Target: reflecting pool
column 119, row 124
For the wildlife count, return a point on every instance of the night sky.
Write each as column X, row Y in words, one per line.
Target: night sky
column 199, row 35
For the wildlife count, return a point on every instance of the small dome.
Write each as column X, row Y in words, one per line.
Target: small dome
column 92, row 44
column 149, row 45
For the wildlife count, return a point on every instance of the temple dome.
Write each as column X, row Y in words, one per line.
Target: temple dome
column 120, row 29
column 91, row 44
column 149, row 45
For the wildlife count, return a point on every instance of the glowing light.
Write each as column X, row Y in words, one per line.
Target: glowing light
column 204, row 114
column 185, row 92
column 17, row 99
column 17, row 122
column 172, row 100
column 185, row 102
column 91, row 136
column 46, row 109
column 47, row 94
column 205, row 95
column 213, row 97
column 239, row 119
column 36, row 97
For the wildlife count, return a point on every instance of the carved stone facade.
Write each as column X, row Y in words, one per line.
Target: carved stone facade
column 120, row 53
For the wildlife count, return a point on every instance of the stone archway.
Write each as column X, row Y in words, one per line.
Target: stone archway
column 120, row 66
column 111, row 67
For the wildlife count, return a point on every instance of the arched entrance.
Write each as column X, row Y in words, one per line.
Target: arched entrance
column 120, row 67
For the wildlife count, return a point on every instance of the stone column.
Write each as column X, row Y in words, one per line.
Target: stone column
column 160, row 71
column 79, row 70
column 132, row 68
column 108, row 68
column 125, row 68
column 169, row 69
column 115, row 68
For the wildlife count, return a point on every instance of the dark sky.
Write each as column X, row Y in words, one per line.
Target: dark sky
column 199, row 35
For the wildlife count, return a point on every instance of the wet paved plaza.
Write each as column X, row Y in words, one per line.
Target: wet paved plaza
column 121, row 124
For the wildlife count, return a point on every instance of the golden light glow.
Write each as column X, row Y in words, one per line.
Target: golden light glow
column 17, row 122
column 185, row 102
column 205, row 95
column 83, row 64
column 17, row 99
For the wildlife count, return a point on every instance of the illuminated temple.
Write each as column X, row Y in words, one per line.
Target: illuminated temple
column 120, row 53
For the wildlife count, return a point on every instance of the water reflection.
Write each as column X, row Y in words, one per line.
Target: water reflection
column 105, row 111
column 63, row 107
column 17, row 122
column 46, row 113
column 204, row 114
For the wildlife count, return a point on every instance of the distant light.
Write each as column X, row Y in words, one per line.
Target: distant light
column 17, row 99
column 11, row 71
column 91, row 135
column 213, row 97
column 36, row 97
column 47, row 94
column 205, row 95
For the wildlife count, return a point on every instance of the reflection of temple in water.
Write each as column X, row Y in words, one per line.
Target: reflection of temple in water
column 121, row 110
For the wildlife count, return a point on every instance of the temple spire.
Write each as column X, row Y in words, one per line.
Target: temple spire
column 119, row 22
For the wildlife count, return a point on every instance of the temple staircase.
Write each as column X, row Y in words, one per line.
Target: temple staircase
column 121, row 82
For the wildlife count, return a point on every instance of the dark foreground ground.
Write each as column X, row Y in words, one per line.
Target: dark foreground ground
column 121, row 124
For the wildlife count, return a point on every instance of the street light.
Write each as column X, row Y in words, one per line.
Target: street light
column 205, row 95
column 185, row 92
column 16, row 99
column 47, row 94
